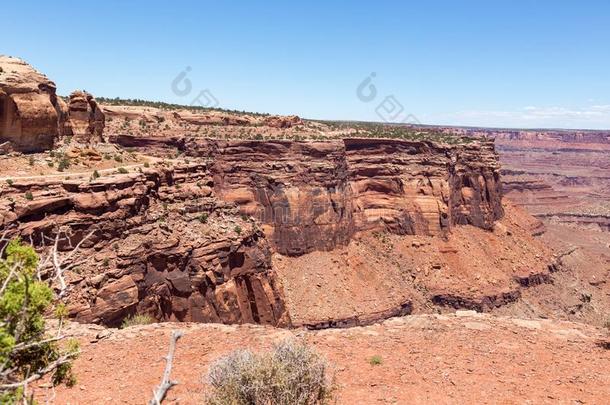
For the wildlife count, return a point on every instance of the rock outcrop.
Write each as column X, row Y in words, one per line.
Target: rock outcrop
column 33, row 117
column 85, row 118
column 31, row 114
column 162, row 244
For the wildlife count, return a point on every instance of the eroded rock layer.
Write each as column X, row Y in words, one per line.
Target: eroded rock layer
column 181, row 241
column 31, row 114
column 316, row 195
column 160, row 243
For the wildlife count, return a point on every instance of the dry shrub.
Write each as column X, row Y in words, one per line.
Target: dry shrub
column 137, row 319
column 291, row 374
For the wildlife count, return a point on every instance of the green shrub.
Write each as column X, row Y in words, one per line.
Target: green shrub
column 64, row 163
column 95, row 175
column 31, row 161
column 237, row 229
column 122, row 170
column 376, row 360
column 25, row 350
column 137, row 319
column 146, row 164
column 291, row 374
column 9, row 182
column 118, row 158
column 29, row 196
column 203, row 218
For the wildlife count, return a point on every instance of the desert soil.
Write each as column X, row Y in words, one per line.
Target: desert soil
column 458, row 358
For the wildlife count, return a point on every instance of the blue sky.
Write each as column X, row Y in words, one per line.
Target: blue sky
column 488, row 63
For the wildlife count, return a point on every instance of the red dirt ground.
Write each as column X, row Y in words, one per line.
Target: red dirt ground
column 459, row 358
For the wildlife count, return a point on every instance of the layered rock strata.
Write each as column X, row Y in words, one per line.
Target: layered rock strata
column 32, row 116
column 317, row 195
column 162, row 244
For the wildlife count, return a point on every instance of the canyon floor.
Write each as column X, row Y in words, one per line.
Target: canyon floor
column 464, row 357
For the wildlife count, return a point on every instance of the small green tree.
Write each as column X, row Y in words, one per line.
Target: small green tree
column 26, row 353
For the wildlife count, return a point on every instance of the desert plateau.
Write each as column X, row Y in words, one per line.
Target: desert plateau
column 186, row 253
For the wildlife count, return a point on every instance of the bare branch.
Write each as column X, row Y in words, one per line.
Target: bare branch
column 61, row 263
column 8, row 278
column 166, row 383
column 58, row 270
column 25, row 346
column 41, row 373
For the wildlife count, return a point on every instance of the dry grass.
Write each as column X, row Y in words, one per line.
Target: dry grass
column 291, row 374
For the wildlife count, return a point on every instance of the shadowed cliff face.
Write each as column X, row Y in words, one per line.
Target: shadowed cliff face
column 316, row 195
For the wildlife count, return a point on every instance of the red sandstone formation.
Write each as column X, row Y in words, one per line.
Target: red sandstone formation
column 316, row 195
column 85, row 118
column 152, row 250
column 171, row 242
column 31, row 114
column 33, row 117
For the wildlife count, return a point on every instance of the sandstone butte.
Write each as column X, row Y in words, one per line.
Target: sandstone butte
column 326, row 234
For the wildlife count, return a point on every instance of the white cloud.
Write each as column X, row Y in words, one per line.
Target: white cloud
column 593, row 117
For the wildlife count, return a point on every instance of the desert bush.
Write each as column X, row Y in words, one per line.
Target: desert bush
column 64, row 163
column 376, row 360
column 29, row 196
column 26, row 353
column 122, row 170
column 137, row 319
column 291, row 374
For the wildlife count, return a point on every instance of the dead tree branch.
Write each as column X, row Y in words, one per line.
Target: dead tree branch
column 166, row 383
column 41, row 373
column 62, row 263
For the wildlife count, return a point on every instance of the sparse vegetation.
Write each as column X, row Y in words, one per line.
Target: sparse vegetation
column 95, row 175
column 9, row 182
column 137, row 319
column 29, row 196
column 376, row 360
column 168, row 106
column 26, row 353
column 291, row 374
column 122, row 170
column 203, row 218
column 237, row 229
column 64, row 163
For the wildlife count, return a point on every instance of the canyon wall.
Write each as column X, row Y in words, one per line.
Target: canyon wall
column 181, row 241
column 316, row 195
column 160, row 243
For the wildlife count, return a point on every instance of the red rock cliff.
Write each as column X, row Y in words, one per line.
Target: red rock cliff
column 316, row 195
